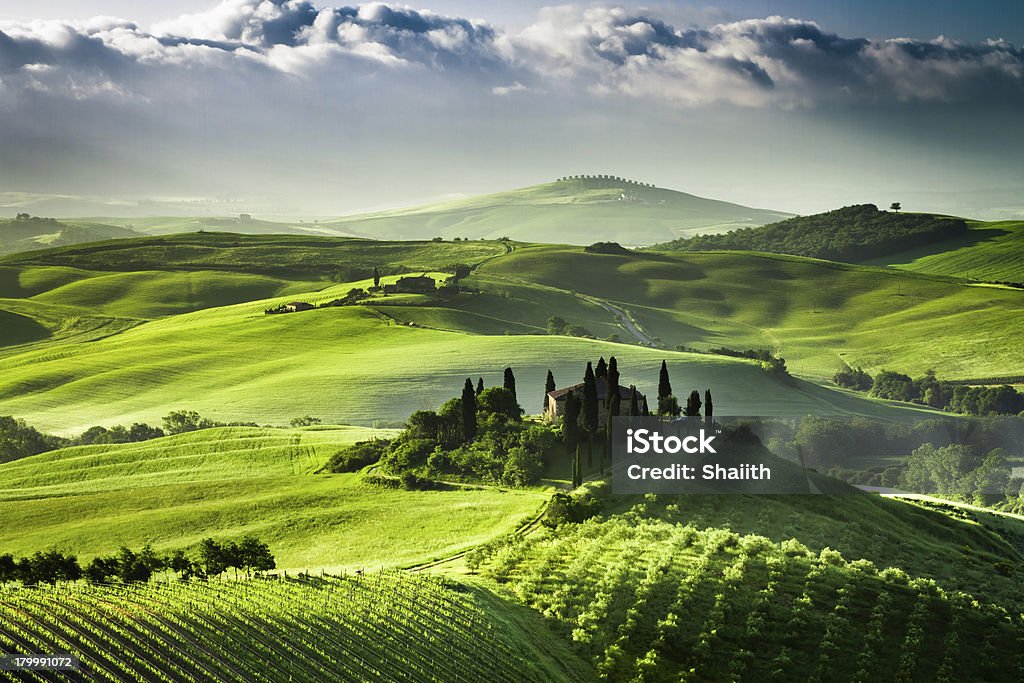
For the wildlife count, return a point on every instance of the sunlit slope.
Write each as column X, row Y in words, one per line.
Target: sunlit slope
column 817, row 314
column 989, row 251
column 567, row 211
column 383, row 626
column 227, row 482
column 344, row 365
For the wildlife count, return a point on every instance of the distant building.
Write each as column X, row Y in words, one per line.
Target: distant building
column 555, row 407
column 414, row 284
column 244, row 217
column 295, row 306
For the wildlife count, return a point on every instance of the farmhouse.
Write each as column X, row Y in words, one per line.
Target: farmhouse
column 556, row 399
column 295, row 306
column 414, row 284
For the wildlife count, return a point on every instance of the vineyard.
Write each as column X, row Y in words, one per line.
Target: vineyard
column 647, row 600
column 385, row 626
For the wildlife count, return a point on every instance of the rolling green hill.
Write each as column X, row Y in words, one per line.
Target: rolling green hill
column 386, row 626
column 988, row 251
column 28, row 233
column 228, row 482
column 572, row 211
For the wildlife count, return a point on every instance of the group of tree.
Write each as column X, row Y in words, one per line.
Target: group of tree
column 960, row 472
column 479, row 435
column 852, row 233
column 210, row 559
column 557, row 325
column 935, row 393
column 774, row 366
column 19, row 440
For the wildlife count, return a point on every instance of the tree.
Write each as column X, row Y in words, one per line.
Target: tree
column 479, row 385
column 305, row 421
column 8, row 568
column 571, row 423
column 557, row 325
column 709, row 409
column 376, row 277
column 181, row 421
column 693, row 404
column 669, row 405
column 101, row 569
column 468, row 411
column 255, row 555
column 895, row 206
column 179, row 562
column 212, row 558
column 601, row 371
column 634, row 407
column 664, row 385
column 498, row 401
column 549, row 386
column 613, row 378
column 590, row 415
column 510, row 382
column 140, row 431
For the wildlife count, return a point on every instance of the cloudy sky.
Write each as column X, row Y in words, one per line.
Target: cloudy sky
column 311, row 108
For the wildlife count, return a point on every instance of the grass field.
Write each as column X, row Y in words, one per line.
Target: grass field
column 992, row 251
column 228, row 482
column 817, row 314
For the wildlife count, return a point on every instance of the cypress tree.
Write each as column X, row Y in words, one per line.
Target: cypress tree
column 601, row 371
column 644, row 410
column 510, row 382
column 709, row 410
column 634, row 407
column 693, row 404
column 664, row 386
column 590, row 400
column 479, row 386
column 613, row 378
column 549, row 386
column 376, row 277
column 571, row 423
column 468, row 411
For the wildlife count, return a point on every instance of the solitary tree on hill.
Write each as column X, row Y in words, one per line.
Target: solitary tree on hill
column 664, row 385
column 895, row 206
column 468, row 411
column 693, row 404
column 376, row 277
column 549, row 386
column 510, row 382
column 601, row 371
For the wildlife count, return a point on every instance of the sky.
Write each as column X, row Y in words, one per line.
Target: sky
column 288, row 107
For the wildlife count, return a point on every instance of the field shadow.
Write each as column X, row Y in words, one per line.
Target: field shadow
column 19, row 329
column 967, row 239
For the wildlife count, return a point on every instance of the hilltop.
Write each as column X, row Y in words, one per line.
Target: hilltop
column 571, row 210
column 852, row 234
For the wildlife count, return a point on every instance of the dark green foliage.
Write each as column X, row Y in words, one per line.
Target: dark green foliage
column 559, row 326
column 709, row 407
column 613, row 377
column 571, row 508
column 894, row 386
column 479, row 385
column 590, row 414
column 601, row 370
column 774, row 366
column 853, row 378
column 957, row 398
column 634, row 407
column 499, row 401
column 606, row 248
column 664, row 385
column 853, row 233
column 571, row 423
column 305, row 421
column 18, row 440
column 549, row 386
column 693, row 404
column 469, row 411
column 357, row 456
column 181, row 421
column 8, row 568
column 669, row 405
column 510, row 382
column 376, row 277
column 118, row 434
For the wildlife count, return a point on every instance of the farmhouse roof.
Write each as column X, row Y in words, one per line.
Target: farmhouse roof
column 602, row 391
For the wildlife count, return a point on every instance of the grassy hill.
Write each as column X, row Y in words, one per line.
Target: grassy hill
column 377, row 627
column 28, row 233
column 851, row 234
column 228, row 482
column 987, row 251
column 572, row 211
column 817, row 314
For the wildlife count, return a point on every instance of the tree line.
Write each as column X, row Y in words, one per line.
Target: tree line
column 933, row 392
column 852, row 233
column 209, row 560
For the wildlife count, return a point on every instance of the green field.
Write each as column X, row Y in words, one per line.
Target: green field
column 229, row 482
column 387, row 626
column 992, row 251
